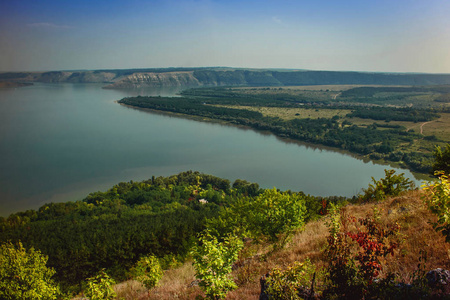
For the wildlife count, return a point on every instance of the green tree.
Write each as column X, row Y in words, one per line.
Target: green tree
column 391, row 185
column 285, row 285
column 438, row 202
column 276, row 215
column 442, row 159
column 271, row 216
column 24, row 274
column 148, row 271
column 213, row 264
column 100, row 287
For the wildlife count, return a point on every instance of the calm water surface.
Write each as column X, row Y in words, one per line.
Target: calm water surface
column 58, row 142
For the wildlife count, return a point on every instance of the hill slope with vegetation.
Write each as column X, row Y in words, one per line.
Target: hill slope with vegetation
column 191, row 235
column 112, row 230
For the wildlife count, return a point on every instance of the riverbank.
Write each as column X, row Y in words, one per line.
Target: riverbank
column 283, row 135
column 13, row 84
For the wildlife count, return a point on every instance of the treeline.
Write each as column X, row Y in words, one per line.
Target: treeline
column 189, row 106
column 394, row 114
column 111, row 230
column 368, row 92
column 227, row 96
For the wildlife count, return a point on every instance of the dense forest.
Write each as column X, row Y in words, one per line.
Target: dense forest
column 160, row 216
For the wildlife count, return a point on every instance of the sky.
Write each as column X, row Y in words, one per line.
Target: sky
column 346, row 35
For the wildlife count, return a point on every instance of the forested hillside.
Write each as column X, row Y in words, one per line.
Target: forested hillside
column 112, row 230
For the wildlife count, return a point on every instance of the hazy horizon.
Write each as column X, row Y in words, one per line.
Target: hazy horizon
column 216, row 67
column 405, row 36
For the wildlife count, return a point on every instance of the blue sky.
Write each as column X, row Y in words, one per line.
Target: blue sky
column 356, row 35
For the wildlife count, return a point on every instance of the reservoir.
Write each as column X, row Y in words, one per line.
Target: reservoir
column 59, row 142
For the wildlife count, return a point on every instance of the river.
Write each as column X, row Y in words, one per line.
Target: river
column 59, row 142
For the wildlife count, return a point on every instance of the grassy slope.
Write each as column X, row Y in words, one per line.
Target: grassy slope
column 407, row 210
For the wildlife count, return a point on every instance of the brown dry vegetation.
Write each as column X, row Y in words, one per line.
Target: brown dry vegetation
column 294, row 113
column 416, row 235
column 336, row 87
column 440, row 127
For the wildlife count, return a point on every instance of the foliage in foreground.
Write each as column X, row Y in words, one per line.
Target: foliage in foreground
column 24, row 274
column 442, row 159
column 113, row 229
column 286, row 284
column 161, row 216
column 272, row 216
column 100, row 287
column 213, row 262
column 355, row 252
column 438, row 202
column 148, row 271
column 391, row 185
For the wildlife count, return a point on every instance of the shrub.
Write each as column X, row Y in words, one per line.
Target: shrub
column 213, row 264
column 391, row 185
column 438, row 202
column 271, row 216
column 277, row 215
column 442, row 159
column 342, row 271
column 148, row 271
column 24, row 274
column 100, row 287
column 355, row 255
column 287, row 284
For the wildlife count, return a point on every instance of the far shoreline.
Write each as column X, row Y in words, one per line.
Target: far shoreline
column 13, row 84
column 365, row 158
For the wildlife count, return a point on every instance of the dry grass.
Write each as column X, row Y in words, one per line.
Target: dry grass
column 131, row 290
column 286, row 113
column 177, row 284
column 416, row 235
column 440, row 127
column 337, row 87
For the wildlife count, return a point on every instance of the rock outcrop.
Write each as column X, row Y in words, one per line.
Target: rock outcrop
column 151, row 79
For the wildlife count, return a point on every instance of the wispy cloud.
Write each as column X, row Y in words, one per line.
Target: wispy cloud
column 45, row 25
column 277, row 20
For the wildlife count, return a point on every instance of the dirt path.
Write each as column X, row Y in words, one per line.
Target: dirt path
column 421, row 126
column 335, row 96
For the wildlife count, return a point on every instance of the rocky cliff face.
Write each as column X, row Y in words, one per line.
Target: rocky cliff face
column 76, row 77
column 149, row 79
column 198, row 78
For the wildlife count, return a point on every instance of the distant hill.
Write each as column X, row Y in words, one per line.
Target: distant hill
column 167, row 77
